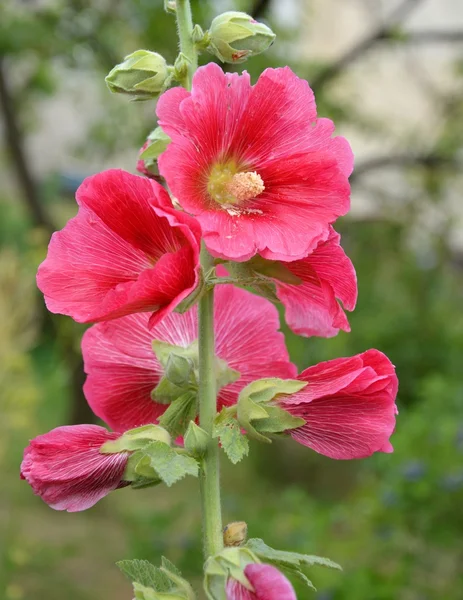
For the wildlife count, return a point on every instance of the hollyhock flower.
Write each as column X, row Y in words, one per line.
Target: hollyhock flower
column 309, row 288
column 348, row 405
column 126, row 251
column 67, row 470
column 267, row 581
column 123, row 370
column 254, row 163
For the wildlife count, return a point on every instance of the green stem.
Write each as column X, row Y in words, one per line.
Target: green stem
column 210, row 472
column 210, row 467
column 185, row 30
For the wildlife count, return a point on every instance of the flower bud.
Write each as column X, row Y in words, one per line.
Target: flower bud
column 143, row 74
column 235, row 36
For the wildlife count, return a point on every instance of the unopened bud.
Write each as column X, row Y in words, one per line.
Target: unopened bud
column 236, row 36
column 143, row 74
column 234, row 534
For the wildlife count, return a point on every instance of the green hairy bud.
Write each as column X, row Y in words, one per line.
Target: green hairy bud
column 143, row 74
column 236, row 36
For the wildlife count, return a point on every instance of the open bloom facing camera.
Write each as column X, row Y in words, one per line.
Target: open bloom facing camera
column 255, row 165
column 124, row 372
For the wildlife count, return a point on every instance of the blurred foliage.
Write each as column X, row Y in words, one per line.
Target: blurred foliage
column 394, row 521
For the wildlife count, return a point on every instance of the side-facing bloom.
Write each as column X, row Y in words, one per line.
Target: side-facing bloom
column 348, row 405
column 267, row 581
column 127, row 250
column 310, row 288
column 256, row 166
column 122, row 369
column 67, row 470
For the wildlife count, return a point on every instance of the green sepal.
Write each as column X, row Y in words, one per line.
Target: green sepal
column 231, row 562
column 160, row 461
column 196, row 440
column 192, row 298
column 234, row 443
column 291, row 562
column 170, row 6
column 135, row 439
column 273, row 269
column 158, row 142
column 179, row 414
column 258, row 415
column 181, row 66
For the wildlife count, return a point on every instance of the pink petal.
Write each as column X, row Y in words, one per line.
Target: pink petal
column 349, row 406
column 122, row 368
column 327, row 275
column 270, row 128
column 126, row 251
column 268, row 584
column 65, row 467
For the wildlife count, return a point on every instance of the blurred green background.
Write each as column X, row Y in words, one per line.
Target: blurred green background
column 391, row 75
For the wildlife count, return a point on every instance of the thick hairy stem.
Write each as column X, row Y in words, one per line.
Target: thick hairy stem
column 210, row 475
column 210, row 468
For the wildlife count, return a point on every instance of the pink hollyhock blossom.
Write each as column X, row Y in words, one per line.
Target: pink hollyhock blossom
column 66, row 469
column 122, row 368
column 326, row 275
column 126, row 251
column 349, row 406
column 268, row 584
column 254, row 163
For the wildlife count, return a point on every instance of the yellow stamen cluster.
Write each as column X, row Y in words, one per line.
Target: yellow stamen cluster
column 228, row 186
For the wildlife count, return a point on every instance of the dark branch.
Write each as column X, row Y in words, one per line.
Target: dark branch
column 260, row 8
column 429, row 37
column 429, row 160
column 15, row 147
column 383, row 32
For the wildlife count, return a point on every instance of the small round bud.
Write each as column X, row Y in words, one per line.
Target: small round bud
column 143, row 74
column 235, row 36
column 234, row 534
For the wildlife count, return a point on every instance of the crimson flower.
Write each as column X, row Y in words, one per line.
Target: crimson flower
column 122, row 369
column 67, row 470
column 310, row 288
column 348, row 404
column 267, row 581
column 256, row 166
column 127, row 250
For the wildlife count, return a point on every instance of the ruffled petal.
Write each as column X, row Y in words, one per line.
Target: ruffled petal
column 126, row 251
column 327, row 275
column 66, row 469
column 349, row 406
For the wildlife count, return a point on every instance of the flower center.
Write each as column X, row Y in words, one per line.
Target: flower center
column 227, row 185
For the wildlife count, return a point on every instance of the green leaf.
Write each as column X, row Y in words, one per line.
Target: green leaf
column 146, row 574
column 196, row 440
column 234, row 443
column 179, row 414
column 288, row 559
column 159, row 460
column 168, row 566
column 296, row 572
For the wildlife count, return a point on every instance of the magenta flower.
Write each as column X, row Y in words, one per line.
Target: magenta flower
column 66, row 469
column 123, row 370
column 254, row 163
column 349, row 406
column 126, row 251
column 310, row 288
column 268, row 584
